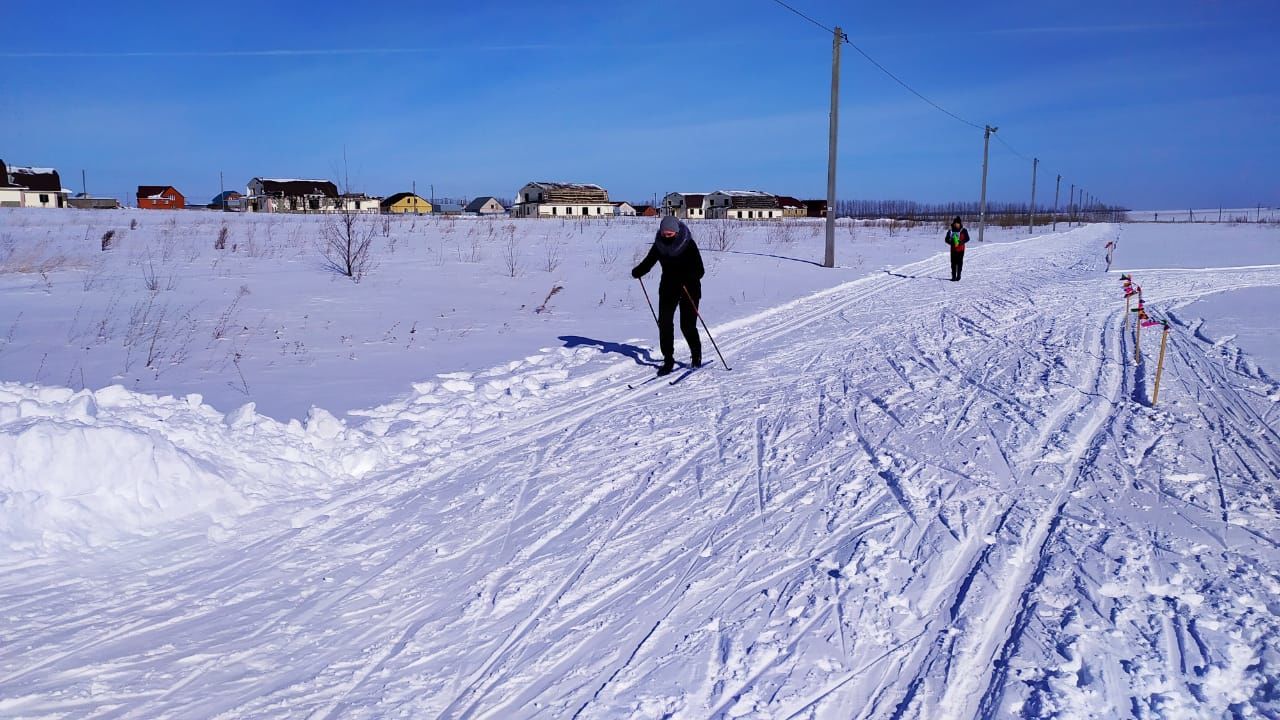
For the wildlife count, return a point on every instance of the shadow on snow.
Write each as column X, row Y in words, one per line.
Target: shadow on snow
column 640, row 355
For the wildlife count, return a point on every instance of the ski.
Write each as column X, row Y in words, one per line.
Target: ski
column 689, row 371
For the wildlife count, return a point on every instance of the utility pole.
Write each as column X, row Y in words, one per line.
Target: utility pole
column 84, row 186
column 1057, row 188
column 1031, row 217
column 833, row 127
column 1071, row 206
column 982, row 203
column 222, row 194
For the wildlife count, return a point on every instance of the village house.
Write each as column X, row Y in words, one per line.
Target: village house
column 31, row 187
column 10, row 194
column 555, row 199
column 624, row 209
column 406, row 202
column 686, row 206
column 359, row 202
column 647, row 211
column 792, row 208
column 487, row 205
column 815, row 208
column 160, row 197
column 298, row 196
column 742, row 205
column 227, row 200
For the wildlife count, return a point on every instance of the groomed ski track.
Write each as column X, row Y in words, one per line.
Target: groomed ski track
column 911, row 498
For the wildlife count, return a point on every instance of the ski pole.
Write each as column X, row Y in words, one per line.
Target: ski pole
column 646, row 299
column 704, row 326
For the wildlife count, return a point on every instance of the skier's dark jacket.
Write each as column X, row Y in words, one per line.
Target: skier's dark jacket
column 964, row 238
column 681, row 263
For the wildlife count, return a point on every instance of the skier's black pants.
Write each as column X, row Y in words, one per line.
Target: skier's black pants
column 957, row 264
column 668, row 299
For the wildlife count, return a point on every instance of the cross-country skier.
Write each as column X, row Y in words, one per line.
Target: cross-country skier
column 955, row 238
column 681, row 285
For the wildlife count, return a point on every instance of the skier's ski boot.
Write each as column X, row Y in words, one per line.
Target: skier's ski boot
column 696, row 361
column 667, row 366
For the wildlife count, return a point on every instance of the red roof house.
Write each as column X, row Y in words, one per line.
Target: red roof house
column 160, row 197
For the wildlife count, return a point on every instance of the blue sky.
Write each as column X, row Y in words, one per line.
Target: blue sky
column 1147, row 103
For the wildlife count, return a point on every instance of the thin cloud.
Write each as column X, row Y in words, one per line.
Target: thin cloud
column 276, row 52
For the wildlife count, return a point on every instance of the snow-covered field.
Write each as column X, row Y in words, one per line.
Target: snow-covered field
column 163, row 311
column 909, row 498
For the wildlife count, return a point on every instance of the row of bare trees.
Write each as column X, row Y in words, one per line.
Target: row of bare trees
column 1008, row 213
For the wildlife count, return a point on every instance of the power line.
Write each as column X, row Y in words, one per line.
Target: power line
column 806, row 17
column 845, row 40
column 1011, row 149
column 912, row 90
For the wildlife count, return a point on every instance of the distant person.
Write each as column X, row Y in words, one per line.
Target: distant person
column 955, row 238
column 681, row 285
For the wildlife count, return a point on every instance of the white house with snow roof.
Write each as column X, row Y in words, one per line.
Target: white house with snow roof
column 742, row 205
column 557, row 199
column 31, row 187
column 684, row 205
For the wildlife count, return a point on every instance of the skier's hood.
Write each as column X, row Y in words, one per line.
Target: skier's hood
column 671, row 247
column 957, row 221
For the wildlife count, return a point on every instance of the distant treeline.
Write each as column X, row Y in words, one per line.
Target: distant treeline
column 1005, row 214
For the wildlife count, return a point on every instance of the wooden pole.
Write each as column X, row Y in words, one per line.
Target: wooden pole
column 829, row 257
column 1056, row 189
column 1031, row 216
column 982, row 202
column 1164, row 340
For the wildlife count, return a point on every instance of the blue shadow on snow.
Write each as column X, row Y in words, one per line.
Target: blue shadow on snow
column 640, row 355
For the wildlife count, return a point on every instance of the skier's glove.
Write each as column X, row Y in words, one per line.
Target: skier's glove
column 635, row 272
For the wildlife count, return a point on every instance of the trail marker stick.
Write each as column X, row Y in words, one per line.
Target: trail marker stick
column 704, row 326
column 1137, row 331
column 1164, row 340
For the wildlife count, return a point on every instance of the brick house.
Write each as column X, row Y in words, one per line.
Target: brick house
column 160, row 197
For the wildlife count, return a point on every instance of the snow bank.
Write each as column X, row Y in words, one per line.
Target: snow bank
column 85, row 469
column 74, row 482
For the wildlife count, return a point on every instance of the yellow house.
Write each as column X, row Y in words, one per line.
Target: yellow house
column 406, row 203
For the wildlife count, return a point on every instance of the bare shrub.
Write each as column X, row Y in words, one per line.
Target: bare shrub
column 133, row 224
column 224, row 320
column 606, row 253
column 107, row 237
column 346, row 243
column 723, row 235
column 149, row 277
column 221, row 242
column 552, row 249
column 779, row 233
column 511, row 254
